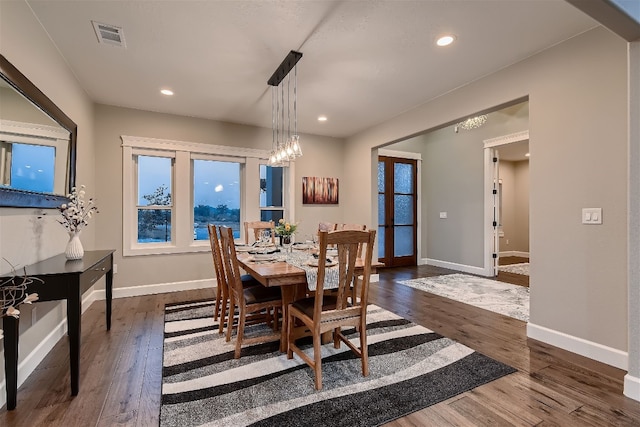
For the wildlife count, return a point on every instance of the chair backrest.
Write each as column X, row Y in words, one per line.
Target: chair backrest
column 230, row 262
column 258, row 227
column 326, row 226
column 347, row 242
column 217, row 257
column 362, row 227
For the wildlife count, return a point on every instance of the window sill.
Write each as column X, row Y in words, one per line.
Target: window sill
column 160, row 249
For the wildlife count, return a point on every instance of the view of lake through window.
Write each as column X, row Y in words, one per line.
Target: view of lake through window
column 216, row 196
column 154, row 199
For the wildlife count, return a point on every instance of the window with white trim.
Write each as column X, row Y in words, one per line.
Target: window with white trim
column 155, row 210
column 173, row 189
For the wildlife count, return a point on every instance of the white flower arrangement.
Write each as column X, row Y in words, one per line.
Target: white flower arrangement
column 76, row 213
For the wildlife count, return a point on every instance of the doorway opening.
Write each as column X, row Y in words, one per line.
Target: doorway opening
column 507, row 254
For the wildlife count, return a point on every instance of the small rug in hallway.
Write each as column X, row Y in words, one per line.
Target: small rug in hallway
column 522, row 268
column 410, row 367
column 499, row 297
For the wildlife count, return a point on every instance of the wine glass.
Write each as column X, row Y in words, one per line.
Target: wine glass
column 265, row 237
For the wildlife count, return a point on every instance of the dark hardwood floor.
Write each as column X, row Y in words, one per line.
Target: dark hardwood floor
column 515, row 279
column 120, row 381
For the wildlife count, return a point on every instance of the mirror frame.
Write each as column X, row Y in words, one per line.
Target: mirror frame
column 11, row 197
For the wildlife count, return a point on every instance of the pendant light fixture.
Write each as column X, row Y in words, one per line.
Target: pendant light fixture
column 285, row 146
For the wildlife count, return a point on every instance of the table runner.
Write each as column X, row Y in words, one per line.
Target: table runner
column 301, row 259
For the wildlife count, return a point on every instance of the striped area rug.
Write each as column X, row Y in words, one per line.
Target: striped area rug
column 410, row 367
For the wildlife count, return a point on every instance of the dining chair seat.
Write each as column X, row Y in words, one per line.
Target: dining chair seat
column 260, row 294
column 306, row 305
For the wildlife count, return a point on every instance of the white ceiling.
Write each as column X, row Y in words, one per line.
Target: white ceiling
column 364, row 61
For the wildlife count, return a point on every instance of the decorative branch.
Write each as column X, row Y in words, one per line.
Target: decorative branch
column 13, row 293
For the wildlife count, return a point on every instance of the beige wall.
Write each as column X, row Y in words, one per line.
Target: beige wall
column 26, row 236
column 521, row 234
column 515, row 206
column 577, row 100
column 321, row 158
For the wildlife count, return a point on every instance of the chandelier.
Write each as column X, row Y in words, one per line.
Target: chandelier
column 285, row 145
column 471, row 123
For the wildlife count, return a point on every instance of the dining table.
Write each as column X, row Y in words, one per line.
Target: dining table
column 290, row 271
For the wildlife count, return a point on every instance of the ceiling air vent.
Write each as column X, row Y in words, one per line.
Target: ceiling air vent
column 109, row 34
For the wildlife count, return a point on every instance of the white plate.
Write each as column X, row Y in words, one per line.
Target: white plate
column 314, row 263
column 263, row 258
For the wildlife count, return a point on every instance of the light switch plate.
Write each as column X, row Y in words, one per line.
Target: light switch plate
column 592, row 216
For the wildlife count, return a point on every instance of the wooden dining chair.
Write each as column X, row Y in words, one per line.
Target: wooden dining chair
column 255, row 299
column 221, row 307
column 322, row 313
column 326, row 226
column 258, row 227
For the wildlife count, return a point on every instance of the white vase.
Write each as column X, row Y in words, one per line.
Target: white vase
column 74, row 247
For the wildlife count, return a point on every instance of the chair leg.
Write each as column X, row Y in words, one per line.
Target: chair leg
column 317, row 360
column 290, row 323
column 223, row 312
column 364, row 350
column 240, row 335
column 216, row 309
column 232, row 310
column 336, row 337
column 276, row 315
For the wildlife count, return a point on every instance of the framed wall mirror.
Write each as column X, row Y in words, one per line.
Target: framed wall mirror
column 37, row 144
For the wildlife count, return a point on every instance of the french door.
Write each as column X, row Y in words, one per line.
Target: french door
column 397, row 211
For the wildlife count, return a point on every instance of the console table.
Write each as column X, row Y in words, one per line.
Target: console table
column 62, row 279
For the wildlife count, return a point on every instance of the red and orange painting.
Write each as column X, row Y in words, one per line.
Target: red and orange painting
column 319, row 191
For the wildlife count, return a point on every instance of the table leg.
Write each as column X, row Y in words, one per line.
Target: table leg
column 289, row 294
column 109, row 294
column 10, row 327
column 73, row 321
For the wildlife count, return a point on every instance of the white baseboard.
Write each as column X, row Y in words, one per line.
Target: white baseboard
column 453, row 266
column 590, row 349
column 632, row 387
column 31, row 361
column 158, row 288
column 514, row 253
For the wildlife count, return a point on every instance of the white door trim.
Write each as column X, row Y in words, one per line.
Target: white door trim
column 488, row 145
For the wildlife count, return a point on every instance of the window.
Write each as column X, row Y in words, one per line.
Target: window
column 154, row 199
column 30, row 154
column 216, row 196
column 27, row 166
column 271, row 193
column 173, row 189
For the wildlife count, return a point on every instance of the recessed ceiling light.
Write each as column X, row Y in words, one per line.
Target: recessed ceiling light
column 167, row 92
column 322, row 118
column 445, row 40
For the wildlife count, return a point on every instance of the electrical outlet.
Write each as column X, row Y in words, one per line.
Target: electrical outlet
column 115, row 268
column 507, row 241
column 592, row 216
